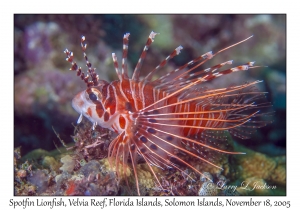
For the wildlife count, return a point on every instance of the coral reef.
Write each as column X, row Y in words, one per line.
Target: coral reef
column 94, row 176
column 261, row 166
column 83, row 169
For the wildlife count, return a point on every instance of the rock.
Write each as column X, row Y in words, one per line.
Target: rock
column 68, row 164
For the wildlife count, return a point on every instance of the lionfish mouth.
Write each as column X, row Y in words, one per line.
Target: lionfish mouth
column 174, row 114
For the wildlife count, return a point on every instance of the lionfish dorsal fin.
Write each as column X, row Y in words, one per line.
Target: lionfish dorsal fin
column 163, row 63
column 184, row 70
column 91, row 78
column 136, row 72
column 124, row 56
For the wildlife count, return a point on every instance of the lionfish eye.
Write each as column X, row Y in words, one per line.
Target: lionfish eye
column 93, row 96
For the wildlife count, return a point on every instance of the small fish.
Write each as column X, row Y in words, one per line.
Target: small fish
column 157, row 118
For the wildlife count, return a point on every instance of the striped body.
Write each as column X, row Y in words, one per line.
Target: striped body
column 156, row 119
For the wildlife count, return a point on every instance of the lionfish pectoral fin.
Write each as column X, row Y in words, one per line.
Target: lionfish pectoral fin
column 118, row 153
column 158, row 151
column 133, row 154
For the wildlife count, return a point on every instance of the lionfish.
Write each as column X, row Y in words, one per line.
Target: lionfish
column 156, row 119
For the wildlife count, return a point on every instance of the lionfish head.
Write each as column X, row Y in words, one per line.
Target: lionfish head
column 90, row 103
